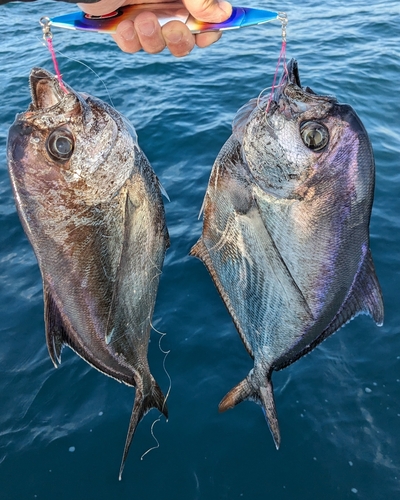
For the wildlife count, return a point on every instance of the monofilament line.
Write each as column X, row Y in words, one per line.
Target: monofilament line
column 282, row 57
column 162, row 335
column 90, row 69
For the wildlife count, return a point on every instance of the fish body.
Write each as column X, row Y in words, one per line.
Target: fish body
column 92, row 209
column 286, row 230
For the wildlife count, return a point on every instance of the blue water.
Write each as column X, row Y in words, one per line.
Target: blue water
column 62, row 431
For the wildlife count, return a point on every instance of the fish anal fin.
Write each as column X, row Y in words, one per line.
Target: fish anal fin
column 200, row 251
column 55, row 330
column 143, row 404
column 263, row 394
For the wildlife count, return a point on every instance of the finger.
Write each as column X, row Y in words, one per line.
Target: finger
column 179, row 39
column 206, row 39
column 102, row 7
column 210, row 11
column 126, row 37
column 149, row 32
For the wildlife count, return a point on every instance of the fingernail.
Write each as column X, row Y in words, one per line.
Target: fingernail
column 128, row 34
column 146, row 28
column 174, row 36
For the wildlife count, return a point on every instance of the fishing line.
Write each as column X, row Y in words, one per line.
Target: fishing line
column 281, row 59
column 162, row 335
column 92, row 70
column 48, row 38
column 260, row 95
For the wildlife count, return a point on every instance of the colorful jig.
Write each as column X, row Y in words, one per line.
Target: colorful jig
column 240, row 18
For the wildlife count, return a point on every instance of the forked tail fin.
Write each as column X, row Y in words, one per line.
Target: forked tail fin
column 154, row 399
column 263, row 394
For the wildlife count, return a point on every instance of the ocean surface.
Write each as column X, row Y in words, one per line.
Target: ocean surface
column 62, row 431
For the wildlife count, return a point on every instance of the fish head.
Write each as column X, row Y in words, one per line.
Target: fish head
column 296, row 134
column 69, row 142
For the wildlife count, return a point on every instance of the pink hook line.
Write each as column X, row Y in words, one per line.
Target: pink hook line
column 282, row 55
column 56, row 68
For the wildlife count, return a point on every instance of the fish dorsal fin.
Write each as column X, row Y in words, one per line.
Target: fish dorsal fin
column 367, row 293
column 55, row 331
column 365, row 297
column 242, row 117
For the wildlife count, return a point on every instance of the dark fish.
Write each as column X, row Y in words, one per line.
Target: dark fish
column 286, row 230
column 91, row 207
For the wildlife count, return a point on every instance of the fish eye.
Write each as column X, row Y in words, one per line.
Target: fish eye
column 314, row 135
column 60, row 144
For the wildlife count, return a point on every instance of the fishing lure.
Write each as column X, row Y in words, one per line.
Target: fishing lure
column 165, row 12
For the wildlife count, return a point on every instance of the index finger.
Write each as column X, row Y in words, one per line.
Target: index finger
column 210, row 11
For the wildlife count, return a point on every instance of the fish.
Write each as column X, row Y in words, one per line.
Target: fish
column 285, row 234
column 92, row 209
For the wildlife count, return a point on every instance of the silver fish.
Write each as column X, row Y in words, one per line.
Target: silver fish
column 91, row 207
column 286, row 230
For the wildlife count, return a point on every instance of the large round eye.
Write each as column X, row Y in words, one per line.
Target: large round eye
column 60, row 144
column 314, row 135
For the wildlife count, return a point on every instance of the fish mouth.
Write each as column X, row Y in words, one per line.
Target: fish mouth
column 293, row 79
column 46, row 91
column 292, row 73
column 290, row 86
column 290, row 76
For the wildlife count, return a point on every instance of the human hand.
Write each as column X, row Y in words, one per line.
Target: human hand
column 146, row 33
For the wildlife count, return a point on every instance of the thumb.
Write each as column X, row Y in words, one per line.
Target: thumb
column 210, row 11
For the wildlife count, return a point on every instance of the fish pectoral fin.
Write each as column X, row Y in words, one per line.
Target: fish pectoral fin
column 143, row 404
column 56, row 335
column 261, row 394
